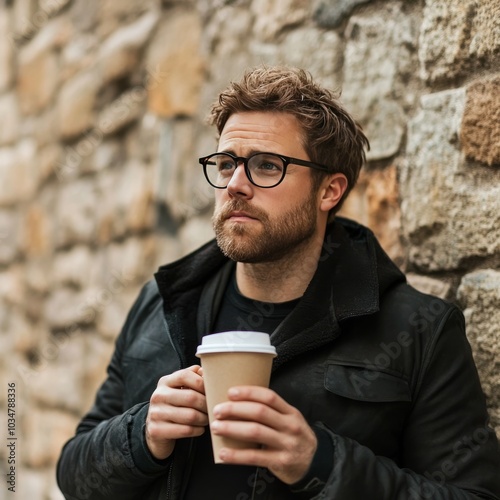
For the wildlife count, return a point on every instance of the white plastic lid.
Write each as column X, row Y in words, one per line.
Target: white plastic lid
column 237, row 341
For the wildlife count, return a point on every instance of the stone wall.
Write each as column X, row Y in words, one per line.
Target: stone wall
column 102, row 107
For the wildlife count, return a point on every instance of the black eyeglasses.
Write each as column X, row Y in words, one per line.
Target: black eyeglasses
column 265, row 170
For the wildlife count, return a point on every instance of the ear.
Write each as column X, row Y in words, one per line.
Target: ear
column 332, row 191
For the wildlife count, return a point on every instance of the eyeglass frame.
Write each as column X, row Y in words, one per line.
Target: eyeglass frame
column 287, row 160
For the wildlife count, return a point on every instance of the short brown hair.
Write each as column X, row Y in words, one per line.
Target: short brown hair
column 331, row 136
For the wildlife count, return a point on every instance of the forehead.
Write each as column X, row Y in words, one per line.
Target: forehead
column 262, row 131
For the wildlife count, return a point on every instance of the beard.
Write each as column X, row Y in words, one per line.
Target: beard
column 274, row 239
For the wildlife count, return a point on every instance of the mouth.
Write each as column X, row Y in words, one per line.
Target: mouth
column 240, row 216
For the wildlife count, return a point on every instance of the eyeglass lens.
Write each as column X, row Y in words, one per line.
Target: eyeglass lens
column 264, row 169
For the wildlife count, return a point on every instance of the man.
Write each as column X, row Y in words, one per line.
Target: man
column 374, row 393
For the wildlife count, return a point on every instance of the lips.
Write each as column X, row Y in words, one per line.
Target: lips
column 240, row 215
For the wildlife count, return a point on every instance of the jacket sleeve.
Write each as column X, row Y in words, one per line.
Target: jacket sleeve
column 108, row 457
column 449, row 450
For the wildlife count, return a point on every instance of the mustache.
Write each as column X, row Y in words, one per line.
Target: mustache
column 238, row 205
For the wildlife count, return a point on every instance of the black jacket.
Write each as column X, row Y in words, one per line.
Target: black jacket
column 385, row 370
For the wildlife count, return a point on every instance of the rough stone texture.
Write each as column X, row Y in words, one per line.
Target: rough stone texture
column 77, row 103
column 6, row 46
column 174, row 93
column 9, row 111
column 480, row 132
column 102, row 107
column 274, row 17
column 120, row 53
column 428, row 285
column 375, row 202
column 450, row 209
column 457, row 35
column 331, row 13
column 479, row 293
column 377, row 58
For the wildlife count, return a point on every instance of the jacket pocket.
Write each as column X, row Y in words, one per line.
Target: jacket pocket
column 363, row 384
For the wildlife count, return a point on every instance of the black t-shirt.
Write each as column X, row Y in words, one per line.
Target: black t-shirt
column 232, row 482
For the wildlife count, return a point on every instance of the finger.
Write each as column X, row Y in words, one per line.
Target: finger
column 251, row 411
column 178, row 415
column 187, row 377
column 164, row 431
column 261, row 395
column 179, row 398
column 250, row 432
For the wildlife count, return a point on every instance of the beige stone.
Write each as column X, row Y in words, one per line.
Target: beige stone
column 450, row 209
column 7, row 44
column 119, row 54
column 175, row 70
column 9, row 235
column 429, row 285
column 274, row 17
column 375, row 203
column 457, row 36
column 73, row 268
column 480, row 132
column 46, row 431
column 479, row 293
column 125, row 109
column 37, row 82
column 377, row 61
column 77, row 104
column 9, row 111
column 77, row 205
column 126, row 201
column 19, row 175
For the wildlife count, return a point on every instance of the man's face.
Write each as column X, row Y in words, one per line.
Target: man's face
column 254, row 224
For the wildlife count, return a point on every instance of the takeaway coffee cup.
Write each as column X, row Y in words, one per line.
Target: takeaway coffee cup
column 229, row 359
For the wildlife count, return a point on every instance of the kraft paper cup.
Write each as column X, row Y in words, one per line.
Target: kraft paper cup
column 229, row 359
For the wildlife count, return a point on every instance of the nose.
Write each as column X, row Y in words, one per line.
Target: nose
column 239, row 185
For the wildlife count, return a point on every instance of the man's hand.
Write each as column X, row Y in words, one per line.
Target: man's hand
column 259, row 415
column 177, row 409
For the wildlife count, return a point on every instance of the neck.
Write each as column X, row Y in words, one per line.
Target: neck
column 282, row 280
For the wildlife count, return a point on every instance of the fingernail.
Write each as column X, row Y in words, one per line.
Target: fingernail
column 216, row 411
column 215, row 425
column 233, row 392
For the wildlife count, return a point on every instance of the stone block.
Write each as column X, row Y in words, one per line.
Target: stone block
column 175, row 69
column 113, row 15
column 457, row 36
column 480, row 132
column 479, row 293
column 374, row 202
column 58, row 379
column 272, row 18
column 19, row 174
column 66, row 309
column 119, row 54
column 124, row 110
column 37, row 81
column 67, row 267
column 126, row 201
column 37, row 232
column 7, row 44
column 77, row 104
column 9, row 111
column 77, row 205
column 450, row 208
column 319, row 52
column 428, row 285
column 12, row 286
column 329, row 14
column 377, row 59
column 46, row 431
column 195, row 233
column 10, row 222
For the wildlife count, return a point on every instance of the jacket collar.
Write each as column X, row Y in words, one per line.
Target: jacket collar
column 352, row 273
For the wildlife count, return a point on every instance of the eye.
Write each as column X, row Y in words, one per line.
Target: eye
column 267, row 164
column 225, row 164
